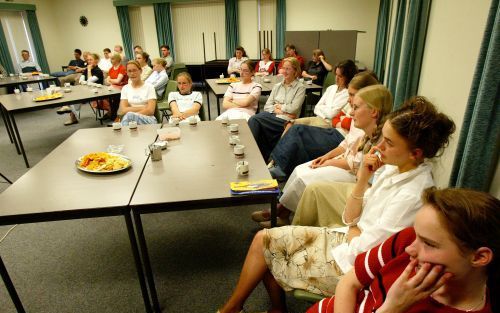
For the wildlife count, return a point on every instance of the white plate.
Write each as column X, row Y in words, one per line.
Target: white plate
column 83, row 169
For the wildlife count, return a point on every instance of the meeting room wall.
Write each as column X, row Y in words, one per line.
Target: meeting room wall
column 62, row 33
column 358, row 15
column 450, row 57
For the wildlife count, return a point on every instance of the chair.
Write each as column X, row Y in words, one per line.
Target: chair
column 329, row 80
column 307, row 296
column 162, row 104
column 176, row 69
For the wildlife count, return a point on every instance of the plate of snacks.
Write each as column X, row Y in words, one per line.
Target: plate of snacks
column 227, row 80
column 103, row 163
column 48, row 97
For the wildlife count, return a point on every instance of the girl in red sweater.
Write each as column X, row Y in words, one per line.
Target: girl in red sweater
column 447, row 263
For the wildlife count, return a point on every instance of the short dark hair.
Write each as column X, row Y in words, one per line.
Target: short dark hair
column 23, row 51
column 348, row 68
column 107, row 50
column 78, row 51
column 290, row 46
column 165, row 46
column 137, row 47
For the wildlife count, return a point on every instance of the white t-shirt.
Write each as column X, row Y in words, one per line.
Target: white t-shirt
column 105, row 64
column 238, row 91
column 185, row 102
column 138, row 97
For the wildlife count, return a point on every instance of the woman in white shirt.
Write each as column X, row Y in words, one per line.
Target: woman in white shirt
column 311, row 258
column 143, row 58
column 185, row 102
column 138, row 99
column 265, row 66
column 235, row 62
column 242, row 98
column 159, row 77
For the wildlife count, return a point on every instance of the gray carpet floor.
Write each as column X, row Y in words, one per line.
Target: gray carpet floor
column 87, row 266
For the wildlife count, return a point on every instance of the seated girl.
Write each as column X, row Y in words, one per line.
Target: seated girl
column 312, row 258
column 303, row 143
column 185, row 102
column 332, row 101
column 117, row 78
column 283, row 104
column 138, row 99
column 317, row 68
column 143, row 59
column 266, row 65
column 447, row 262
column 234, row 66
column 92, row 74
column 241, row 99
column 158, row 77
column 370, row 107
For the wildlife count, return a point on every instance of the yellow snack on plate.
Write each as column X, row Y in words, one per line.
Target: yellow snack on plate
column 103, row 162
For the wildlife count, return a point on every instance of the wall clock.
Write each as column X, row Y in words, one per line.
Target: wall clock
column 84, row 21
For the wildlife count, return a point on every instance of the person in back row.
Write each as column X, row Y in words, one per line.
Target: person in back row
column 119, row 49
column 138, row 99
column 234, row 66
column 266, row 65
column 143, row 59
column 447, row 262
column 26, row 65
column 283, row 104
column 185, row 102
column 165, row 54
column 105, row 62
column 241, row 99
column 313, row 258
column 317, row 68
column 159, row 77
column 73, row 65
column 291, row 52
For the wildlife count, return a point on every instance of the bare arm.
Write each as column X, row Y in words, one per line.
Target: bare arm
column 329, row 155
column 346, row 293
column 327, row 65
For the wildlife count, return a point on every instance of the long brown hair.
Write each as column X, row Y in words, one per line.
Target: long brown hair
column 473, row 219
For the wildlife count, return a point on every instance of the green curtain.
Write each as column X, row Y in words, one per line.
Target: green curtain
column 37, row 41
column 232, row 35
column 413, row 51
column 397, row 40
column 164, row 29
column 476, row 156
column 124, row 20
column 5, row 59
column 280, row 28
column 384, row 16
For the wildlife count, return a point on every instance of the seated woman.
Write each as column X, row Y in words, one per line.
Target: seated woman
column 333, row 100
column 117, row 78
column 284, row 103
column 370, row 107
column 159, row 77
column 91, row 74
column 311, row 258
column 185, row 102
column 138, row 99
column 303, row 143
column 317, row 68
column 265, row 66
column 447, row 262
column 235, row 62
column 143, row 59
column 241, row 99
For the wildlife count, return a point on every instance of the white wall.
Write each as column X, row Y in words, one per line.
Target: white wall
column 451, row 51
column 248, row 27
column 359, row 15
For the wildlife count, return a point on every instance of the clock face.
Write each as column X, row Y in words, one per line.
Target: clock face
column 84, row 21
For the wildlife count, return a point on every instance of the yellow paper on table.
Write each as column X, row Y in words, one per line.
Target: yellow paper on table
column 265, row 184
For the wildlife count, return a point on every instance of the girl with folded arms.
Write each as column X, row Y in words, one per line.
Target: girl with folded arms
column 313, row 258
column 185, row 102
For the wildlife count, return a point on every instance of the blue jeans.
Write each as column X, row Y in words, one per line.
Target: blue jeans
column 303, row 143
column 62, row 74
column 139, row 118
column 266, row 129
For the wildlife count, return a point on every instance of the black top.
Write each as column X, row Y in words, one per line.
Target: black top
column 317, row 69
column 96, row 71
column 79, row 63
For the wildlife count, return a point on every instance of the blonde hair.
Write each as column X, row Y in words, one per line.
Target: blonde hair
column 160, row 61
column 318, row 52
column 363, row 79
column 186, row 76
column 135, row 63
column 116, row 57
column 295, row 64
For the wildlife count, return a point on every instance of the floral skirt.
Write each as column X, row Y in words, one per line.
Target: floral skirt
column 299, row 257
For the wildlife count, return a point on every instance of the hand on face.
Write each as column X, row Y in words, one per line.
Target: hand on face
column 371, row 163
column 413, row 286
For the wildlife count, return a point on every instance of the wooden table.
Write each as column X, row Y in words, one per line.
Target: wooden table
column 220, row 89
column 55, row 190
column 195, row 173
column 23, row 102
